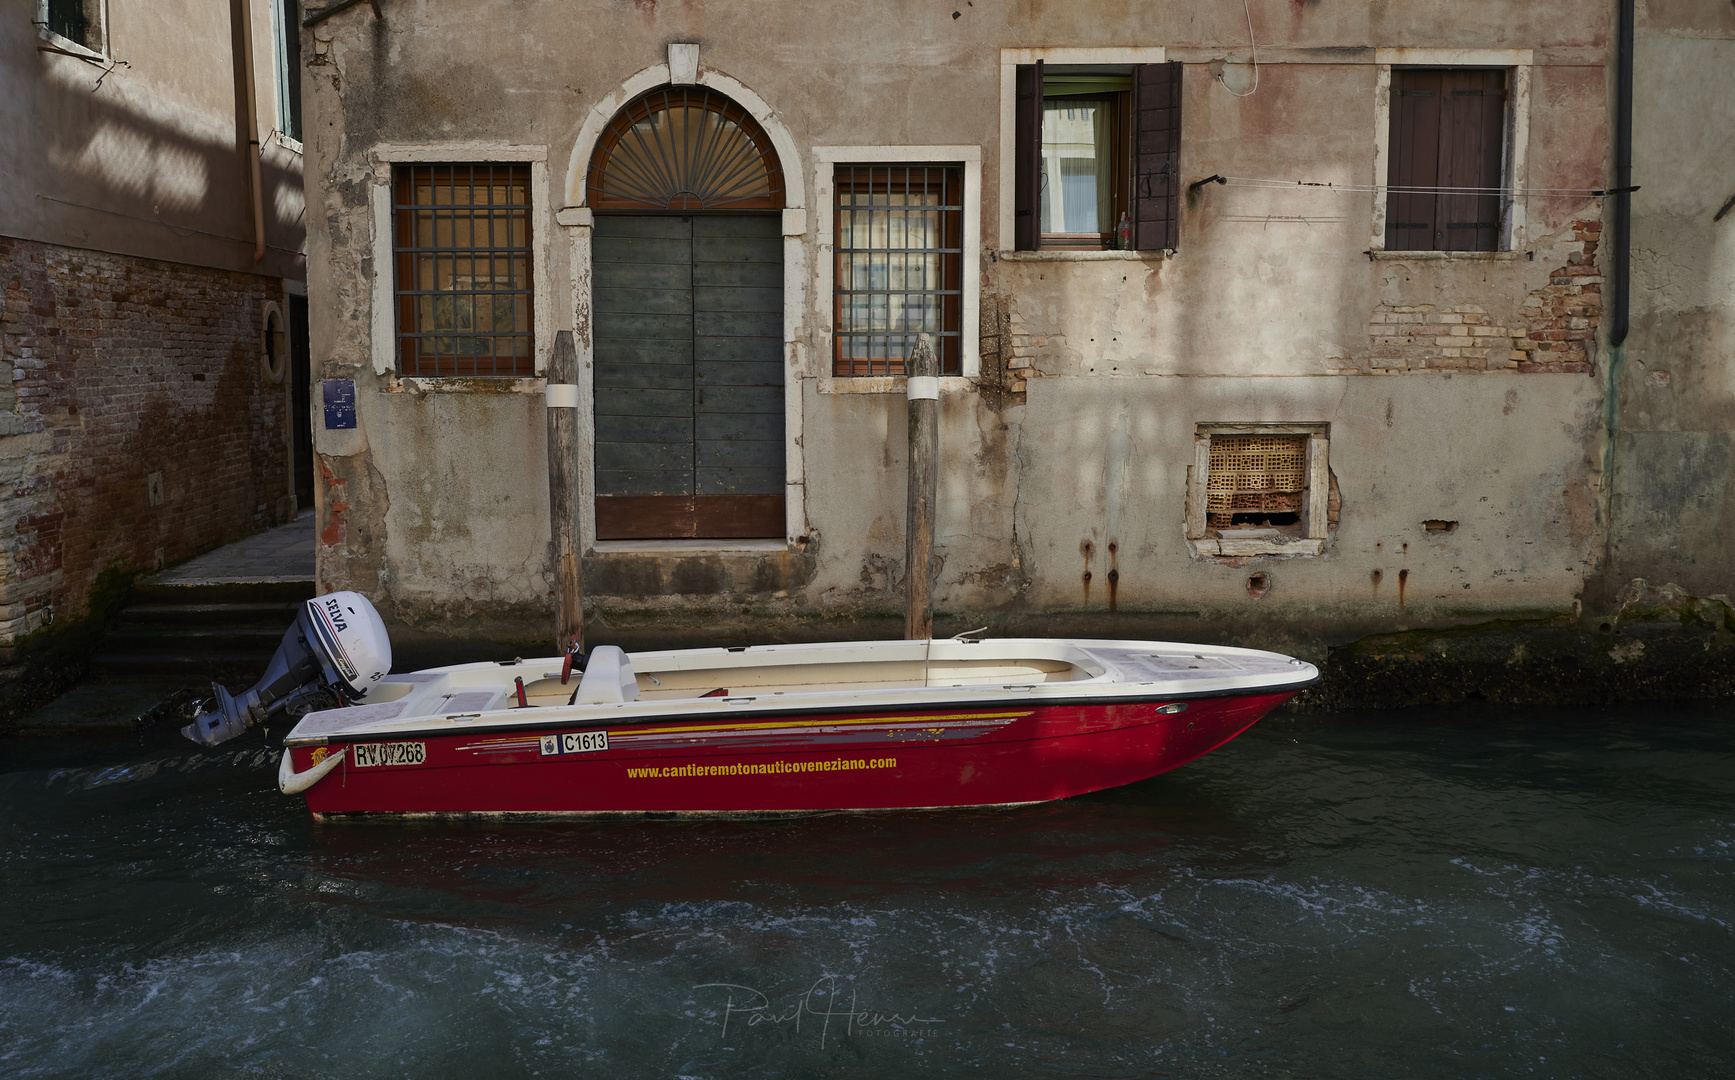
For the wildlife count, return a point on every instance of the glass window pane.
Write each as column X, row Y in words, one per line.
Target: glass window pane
column 468, row 269
column 1076, row 166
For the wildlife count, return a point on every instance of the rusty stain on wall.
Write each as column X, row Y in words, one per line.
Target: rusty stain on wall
column 1114, row 574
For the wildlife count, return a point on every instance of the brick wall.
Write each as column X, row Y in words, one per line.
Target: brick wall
column 136, row 422
column 1551, row 332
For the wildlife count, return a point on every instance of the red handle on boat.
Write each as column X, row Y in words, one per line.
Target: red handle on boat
column 572, row 650
column 519, row 682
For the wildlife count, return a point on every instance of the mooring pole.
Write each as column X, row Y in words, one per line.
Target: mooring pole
column 923, row 388
column 562, row 398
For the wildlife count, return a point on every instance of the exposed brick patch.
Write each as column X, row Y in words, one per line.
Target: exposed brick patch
column 114, row 368
column 1564, row 314
column 1007, row 355
column 1416, row 337
column 1551, row 333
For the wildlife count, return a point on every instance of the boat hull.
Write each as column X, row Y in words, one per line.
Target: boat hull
column 997, row 753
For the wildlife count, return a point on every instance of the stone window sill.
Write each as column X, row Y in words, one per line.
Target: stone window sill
column 68, row 47
column 1449, row 256
column 1262, row 545
column 480, row 384
column 886, row 384
column 684, row 547
column 1082, row 256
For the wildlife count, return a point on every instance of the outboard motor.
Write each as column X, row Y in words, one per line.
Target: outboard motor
column 337, row 648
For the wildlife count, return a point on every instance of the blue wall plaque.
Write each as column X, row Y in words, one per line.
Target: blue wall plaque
column 339, row 404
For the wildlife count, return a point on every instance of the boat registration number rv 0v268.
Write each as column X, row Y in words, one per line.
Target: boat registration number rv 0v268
column 389, row 753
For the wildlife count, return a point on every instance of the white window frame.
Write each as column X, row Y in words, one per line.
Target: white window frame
column 826, row 159
column 1515, row 153
column 280, row 81
column 1315, row 518
column 67, row 45
column 381, row 158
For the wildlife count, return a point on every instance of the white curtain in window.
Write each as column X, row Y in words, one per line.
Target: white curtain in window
column 1076, row 168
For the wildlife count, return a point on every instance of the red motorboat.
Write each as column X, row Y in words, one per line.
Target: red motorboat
column 782, row 728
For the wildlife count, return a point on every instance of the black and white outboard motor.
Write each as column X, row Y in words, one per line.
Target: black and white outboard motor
column 334, row 652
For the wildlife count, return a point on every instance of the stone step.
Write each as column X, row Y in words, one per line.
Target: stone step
column 189, row 640
column 279, row 614
column 221, row 592
column 235, row 672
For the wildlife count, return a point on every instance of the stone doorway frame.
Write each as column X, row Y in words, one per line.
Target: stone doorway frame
column 682, row 69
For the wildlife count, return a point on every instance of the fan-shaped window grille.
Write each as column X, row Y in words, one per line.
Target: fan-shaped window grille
column 684, row 149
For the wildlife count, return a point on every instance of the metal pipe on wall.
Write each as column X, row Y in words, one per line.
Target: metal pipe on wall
column 247, row 101
column 1622, row 196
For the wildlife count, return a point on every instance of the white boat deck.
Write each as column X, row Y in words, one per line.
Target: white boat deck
column 729, row 684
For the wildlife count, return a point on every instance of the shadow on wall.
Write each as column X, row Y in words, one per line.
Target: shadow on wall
column 170, row 186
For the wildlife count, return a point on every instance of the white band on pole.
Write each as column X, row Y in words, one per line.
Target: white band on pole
column 562, row 395
column 923, row 388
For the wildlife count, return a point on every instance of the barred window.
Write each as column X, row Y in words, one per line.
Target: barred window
column 461, row 236
column 899, row 266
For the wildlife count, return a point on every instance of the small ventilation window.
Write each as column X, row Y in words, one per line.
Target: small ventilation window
column 1260, row 489
column 1256, row 480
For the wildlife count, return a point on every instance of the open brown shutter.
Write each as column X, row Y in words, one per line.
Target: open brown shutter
column 1027, row 159
column 1156, row 209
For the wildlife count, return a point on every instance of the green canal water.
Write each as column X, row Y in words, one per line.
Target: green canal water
column 1467, row 893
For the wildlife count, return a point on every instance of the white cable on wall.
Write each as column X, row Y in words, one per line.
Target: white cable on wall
column 1251, row 90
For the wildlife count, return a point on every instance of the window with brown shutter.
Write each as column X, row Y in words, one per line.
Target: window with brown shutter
column 1448, row 128
column 1096, row 156
column 461, row 235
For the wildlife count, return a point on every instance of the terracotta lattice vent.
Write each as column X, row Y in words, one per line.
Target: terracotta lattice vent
column 1255, row 480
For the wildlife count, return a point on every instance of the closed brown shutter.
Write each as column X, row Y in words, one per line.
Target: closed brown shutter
column 1027, row 159
column 1156, row 209
column 1448, row 129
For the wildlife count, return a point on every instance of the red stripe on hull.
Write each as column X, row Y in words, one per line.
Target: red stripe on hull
column 982, row 757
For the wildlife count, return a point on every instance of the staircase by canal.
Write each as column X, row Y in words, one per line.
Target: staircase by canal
column 219, row 616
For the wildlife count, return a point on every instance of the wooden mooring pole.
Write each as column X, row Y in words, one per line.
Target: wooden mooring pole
column 562, row 398
column 923, row 390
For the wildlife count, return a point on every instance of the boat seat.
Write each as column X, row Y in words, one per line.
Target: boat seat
column 608, row 678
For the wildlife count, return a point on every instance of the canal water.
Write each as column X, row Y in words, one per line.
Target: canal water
column 1474, row 893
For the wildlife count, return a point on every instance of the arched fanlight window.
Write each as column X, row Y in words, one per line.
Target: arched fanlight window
column 684, row 148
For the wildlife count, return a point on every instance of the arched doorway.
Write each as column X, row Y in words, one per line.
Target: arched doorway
column 687, row 321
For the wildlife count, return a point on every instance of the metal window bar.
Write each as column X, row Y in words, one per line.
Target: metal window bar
column 898, row 266
column 446, row 219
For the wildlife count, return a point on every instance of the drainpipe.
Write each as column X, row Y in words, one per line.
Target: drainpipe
column 247, row 101
column 1623, row 197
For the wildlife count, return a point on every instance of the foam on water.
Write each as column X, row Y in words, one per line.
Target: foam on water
column 1456, row 895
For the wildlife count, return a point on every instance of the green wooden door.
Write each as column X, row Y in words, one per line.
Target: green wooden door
column 687, row 323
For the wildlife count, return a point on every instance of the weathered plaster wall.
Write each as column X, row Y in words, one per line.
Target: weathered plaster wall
column 1674, row 454
column 141, row 152
column 1094, row 373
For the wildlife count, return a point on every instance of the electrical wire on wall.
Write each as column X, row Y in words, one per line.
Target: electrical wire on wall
column 1408, row 189
column 1251, row 90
